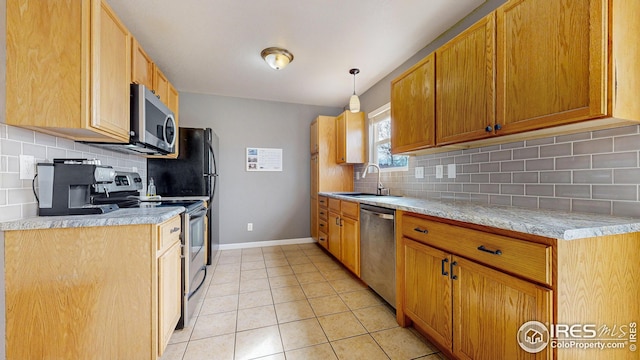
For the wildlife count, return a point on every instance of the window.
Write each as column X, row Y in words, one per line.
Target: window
column 380, row 140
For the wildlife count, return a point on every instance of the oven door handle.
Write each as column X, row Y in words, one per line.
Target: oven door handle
column 198, row 213
column 201, row 283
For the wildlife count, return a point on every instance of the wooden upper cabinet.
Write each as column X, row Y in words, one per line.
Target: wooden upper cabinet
column 465, row 81
column 313, row 137
column 142, row 67
column 350, row 138
column 69, row 76
column 111, row 47
column 413, row 108
column 160, row 85
column 551, row 63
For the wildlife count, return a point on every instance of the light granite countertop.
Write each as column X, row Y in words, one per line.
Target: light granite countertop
column 552, row 224
column 137, row 216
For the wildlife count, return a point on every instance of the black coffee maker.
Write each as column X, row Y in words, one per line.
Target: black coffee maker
column 65, row 187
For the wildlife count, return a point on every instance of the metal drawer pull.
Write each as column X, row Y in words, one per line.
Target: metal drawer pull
column 174, row 230
column 453, row 277
column 494, row 252
column 444, row 273
column 424, row 231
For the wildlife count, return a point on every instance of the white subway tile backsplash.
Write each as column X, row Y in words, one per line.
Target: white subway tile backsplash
column 596, row 172
column 615, row 160
column 626, row 176
column 10, row 147
column 16, row 197
column 592, row 177
column 21, row 135
column 626, row 143
column 45, row 139
column 615, row 192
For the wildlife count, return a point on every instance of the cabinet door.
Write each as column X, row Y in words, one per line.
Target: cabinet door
column 335, row 234
column 173, row 103
column 141, row 65
column 427, row 290
column 488, row 309
column 350, row 138
column 465, row 85
column 413, row 108
column 169, row 292
column 111, row 71
column 341, row 139
column 315, row 168
column 350, row 247
column 161, row 85
column 313, row 144
column 551, row 58
column 314, row 218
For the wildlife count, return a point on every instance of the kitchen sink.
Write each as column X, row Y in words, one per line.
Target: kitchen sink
column 364, row 195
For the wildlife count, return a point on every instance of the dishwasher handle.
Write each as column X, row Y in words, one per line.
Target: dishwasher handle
column 380, row 215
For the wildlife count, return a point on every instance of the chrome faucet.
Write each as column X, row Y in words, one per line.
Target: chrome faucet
column 364, row 174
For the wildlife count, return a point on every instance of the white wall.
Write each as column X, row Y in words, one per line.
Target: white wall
column 277, row 203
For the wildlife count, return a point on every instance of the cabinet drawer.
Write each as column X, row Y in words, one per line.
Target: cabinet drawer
column 334, row 204
column 351, row 209
column 516, row 256
column 322, row 239
column 169, row 232
column 322, row 201
column 322, row 226
column 323, row 213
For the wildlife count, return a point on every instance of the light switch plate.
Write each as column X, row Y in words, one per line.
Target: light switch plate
column 439, row 171
column 27, row 167
column 451, row 171
column 419, row 172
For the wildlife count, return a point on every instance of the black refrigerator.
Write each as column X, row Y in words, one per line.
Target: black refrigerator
column 193, row 173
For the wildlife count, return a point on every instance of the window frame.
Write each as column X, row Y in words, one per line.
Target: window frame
column 376, row 116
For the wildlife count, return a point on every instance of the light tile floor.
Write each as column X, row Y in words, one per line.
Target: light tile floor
column 292, row 302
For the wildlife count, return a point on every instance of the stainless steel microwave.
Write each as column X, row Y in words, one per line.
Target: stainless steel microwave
column 152, row 123
column 153, row 127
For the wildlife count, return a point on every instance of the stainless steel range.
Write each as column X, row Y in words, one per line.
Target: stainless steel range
column 124, row 191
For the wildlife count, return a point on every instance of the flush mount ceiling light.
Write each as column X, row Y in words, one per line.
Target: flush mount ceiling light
column 354, row 101
column 277, row 57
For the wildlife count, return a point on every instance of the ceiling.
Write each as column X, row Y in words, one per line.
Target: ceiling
column 213, row 46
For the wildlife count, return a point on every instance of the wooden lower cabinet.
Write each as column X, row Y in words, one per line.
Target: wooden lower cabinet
column 104, row 292
column 488, row 309
column 350, row 252
column 169, row 294
column 335, row 234
column 344, row 233
column 471, row 310
column 470, row 288
column 427, row 296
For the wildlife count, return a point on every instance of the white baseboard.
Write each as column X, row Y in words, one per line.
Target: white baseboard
column 266, row 243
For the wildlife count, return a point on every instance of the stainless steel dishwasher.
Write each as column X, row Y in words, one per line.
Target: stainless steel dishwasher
column 378, row 250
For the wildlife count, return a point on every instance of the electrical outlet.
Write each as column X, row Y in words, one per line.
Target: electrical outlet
column 357, row 175
column 419, row 172
column 451, row 171
column 27, row 167
column 249, row 226
column 439, row 171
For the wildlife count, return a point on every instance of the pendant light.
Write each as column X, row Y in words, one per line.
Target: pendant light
column 354, row 101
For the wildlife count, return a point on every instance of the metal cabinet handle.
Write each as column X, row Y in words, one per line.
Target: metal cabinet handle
column 424, row 231
column 453, row 277
column 174, row 230
column 488, row 129
column 444, row 272
column 494, row 252
column 498, row 127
